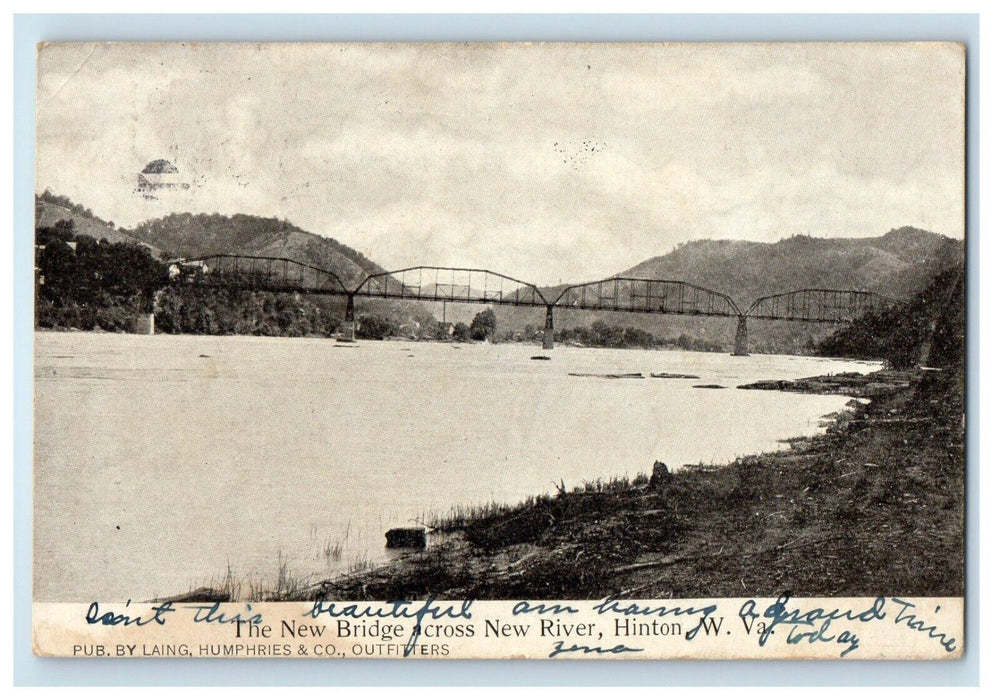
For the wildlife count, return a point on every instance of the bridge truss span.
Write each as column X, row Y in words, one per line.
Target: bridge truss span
column 485, row 287
column 818, row 305
column 651, row 296
column 256, row 273
column 450, row 284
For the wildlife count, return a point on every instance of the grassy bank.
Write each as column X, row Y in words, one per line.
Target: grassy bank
column 874, row 505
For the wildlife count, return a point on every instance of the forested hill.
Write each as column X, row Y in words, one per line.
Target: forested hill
column 926, row 329
column 51, row 208
column 189, row 235
column 897, row 264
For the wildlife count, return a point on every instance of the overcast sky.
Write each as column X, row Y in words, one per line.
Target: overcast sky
column 545, row 162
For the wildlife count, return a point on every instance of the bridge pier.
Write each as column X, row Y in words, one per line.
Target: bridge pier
column 347, row 326
column 145, row 324
column 549, row 333
column 741, row 348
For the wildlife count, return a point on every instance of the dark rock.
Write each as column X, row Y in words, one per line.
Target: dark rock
column 406, row 538
column 202, row 595
column 661, row 475
column 627, row 375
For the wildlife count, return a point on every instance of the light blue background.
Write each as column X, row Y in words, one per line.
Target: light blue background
column 30, row 29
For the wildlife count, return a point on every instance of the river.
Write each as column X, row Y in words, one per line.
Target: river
column 163, row 461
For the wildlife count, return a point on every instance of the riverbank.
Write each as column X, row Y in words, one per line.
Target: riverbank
column 873, row 505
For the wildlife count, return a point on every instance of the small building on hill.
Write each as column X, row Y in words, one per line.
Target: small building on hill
column 158, row 175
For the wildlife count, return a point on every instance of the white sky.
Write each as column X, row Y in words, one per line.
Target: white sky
column 545, row 162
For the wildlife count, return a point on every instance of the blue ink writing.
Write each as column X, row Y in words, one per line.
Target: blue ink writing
column 817, row 621
column 111, row 618
column 618, row 608
column 915, row 623
column 396, row 609
column 561, row 648
column 209, row 613
column 523, row 607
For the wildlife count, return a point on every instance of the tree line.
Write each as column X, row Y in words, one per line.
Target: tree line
column 90, row 284
column 85, row 283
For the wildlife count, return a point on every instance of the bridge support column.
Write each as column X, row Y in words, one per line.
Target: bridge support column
column 549, row 334
column 145, row 324
column 741, row 348
column 347, row 327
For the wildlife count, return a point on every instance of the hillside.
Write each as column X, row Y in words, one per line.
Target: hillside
column 50, row 208
column 189, row 235
column 927, row 329
column 897, row 264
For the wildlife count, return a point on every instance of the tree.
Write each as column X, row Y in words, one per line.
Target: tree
column 460, row 331
column 483, row 325
column 375, row 328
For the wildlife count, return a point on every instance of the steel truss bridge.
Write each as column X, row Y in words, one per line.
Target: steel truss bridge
column 485, row 287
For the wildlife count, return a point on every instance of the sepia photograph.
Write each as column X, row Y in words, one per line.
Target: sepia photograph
column 530, row 322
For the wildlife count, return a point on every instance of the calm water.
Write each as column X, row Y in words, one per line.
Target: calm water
column 162, row 460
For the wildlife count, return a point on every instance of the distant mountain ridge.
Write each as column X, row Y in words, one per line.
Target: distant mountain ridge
column 896, row 264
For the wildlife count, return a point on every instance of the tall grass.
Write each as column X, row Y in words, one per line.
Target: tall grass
column 228, row 587
column 283, row 586
column 359, row 565
column 461, row 517
column 333, row 548
column 333, row 551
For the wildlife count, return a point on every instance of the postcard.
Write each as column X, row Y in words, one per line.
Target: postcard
column 498, row 350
